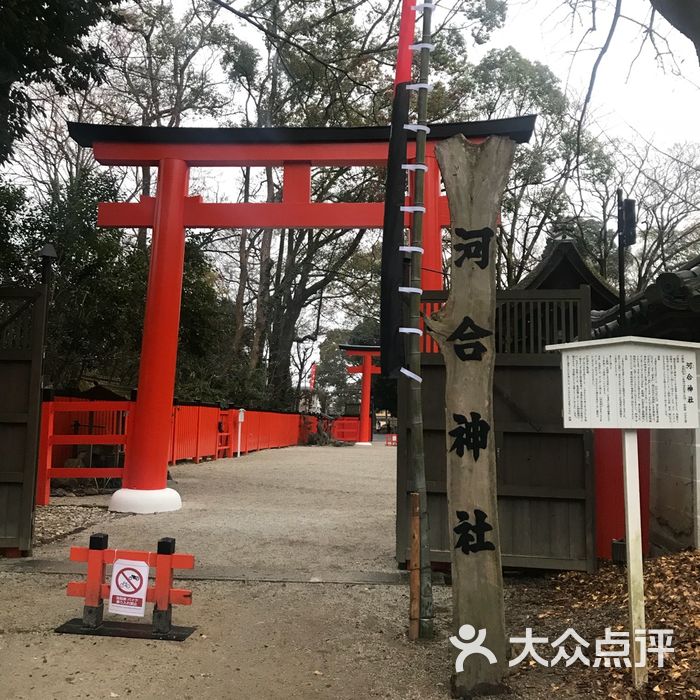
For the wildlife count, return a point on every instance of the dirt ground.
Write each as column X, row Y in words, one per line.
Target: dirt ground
column 277, row 521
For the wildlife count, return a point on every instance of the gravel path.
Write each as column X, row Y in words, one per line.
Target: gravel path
column 253, row 642
column 297, row 509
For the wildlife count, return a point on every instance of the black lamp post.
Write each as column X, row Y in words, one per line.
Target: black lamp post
column 47, row 255
column 626, row 237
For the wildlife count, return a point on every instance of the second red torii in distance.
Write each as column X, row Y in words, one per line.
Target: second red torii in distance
column 366, row 369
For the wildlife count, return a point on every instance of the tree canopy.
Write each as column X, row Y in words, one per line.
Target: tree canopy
column 45, row 41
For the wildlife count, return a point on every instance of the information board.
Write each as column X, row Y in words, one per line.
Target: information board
column 630, row 386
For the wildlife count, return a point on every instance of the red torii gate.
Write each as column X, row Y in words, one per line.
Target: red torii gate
column 366, row 369
column 174, row 151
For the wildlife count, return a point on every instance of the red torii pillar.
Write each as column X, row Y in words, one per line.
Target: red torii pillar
column 144, row 488
column 366, row 369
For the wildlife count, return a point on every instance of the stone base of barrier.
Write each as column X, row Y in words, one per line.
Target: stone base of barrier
column 132, row 630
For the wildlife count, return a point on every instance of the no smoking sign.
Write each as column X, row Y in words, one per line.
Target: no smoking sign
column 128, row 589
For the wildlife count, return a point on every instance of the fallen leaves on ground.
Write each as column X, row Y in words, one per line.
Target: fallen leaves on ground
column 589, row 603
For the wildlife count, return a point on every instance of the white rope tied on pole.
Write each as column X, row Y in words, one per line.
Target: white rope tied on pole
column 413, row 208
column 415, row 166
column 416, row 331
column 410, row 290
column 411, row 375
column 417, row 127
column 422, row 45
column 429, row 6
column 411, row 249
column 420, row 86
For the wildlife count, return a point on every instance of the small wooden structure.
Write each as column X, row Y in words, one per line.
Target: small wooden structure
column 545, row 473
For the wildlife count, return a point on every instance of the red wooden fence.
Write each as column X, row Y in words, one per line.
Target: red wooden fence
column 346, row 429
column 197, row 432
column 61, row 425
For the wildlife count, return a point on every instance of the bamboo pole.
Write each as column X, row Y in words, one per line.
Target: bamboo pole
column 415, row 405
column 414, row 570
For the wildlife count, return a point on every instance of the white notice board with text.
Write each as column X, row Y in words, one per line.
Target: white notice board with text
column 639, row 383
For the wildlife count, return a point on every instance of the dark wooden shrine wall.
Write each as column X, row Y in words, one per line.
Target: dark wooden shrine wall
column 22, row 324
column 545, row 473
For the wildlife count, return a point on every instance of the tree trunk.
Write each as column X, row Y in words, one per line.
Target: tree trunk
column 263, row 301
column 238, row 308
column 285, row 308
column 475, row 177
column 279, row 376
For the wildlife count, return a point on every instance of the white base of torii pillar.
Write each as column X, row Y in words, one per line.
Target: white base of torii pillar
column 145, row 501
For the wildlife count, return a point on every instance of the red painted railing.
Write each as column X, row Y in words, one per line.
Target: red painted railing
column 92, row 423
column 197, row 432
column 346, row 429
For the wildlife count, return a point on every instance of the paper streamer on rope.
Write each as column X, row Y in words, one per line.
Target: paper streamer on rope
column 411, row 375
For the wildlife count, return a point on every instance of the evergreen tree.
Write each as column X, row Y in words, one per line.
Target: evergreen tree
column 44, row 41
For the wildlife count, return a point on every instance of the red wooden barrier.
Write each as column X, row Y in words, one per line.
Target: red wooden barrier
column 194, row 433
column 95, row 590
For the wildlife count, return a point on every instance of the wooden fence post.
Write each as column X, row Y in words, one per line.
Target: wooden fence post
column 475, row 177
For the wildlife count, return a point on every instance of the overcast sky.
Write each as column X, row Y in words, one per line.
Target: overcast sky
column 660, row 105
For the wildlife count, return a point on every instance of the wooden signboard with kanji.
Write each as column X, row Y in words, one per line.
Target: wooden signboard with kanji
column 475, row 177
